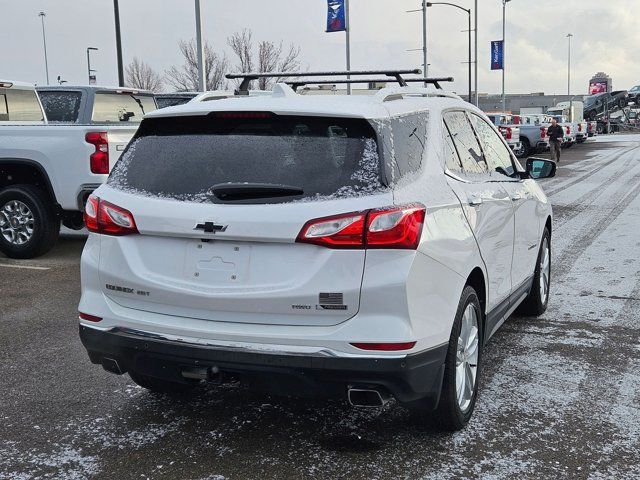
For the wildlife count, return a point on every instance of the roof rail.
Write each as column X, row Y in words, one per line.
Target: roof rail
column 295, row 84
column 247, row 77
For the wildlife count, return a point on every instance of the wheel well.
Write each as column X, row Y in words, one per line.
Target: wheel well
column 23, row 172
column 476, row 280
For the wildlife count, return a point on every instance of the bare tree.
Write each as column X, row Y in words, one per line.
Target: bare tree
column 271, row 57
column 141, row 75
column 185, row 77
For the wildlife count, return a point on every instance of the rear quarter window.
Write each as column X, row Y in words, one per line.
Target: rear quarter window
column 4, row 111
column 22, row 105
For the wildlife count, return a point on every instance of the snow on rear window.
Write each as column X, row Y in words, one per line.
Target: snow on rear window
column 61, row 107
column 183, row 158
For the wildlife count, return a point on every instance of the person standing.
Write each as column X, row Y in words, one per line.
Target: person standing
column 556, row 136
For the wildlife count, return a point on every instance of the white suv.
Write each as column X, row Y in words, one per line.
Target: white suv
column 358, row 246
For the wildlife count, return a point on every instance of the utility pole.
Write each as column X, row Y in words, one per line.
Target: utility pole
column 116, row 12
column 200, row 52
column 569, row 35
column 424, row 41
column 348, row 41
column 44, row 41
column 425, row 56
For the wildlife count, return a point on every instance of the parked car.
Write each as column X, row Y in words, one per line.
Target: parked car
column 599, row 104
column 634, row 95
column 173, row 99
column 508, row 128
column 50, row 164
column 366, row 247
column 533, row 135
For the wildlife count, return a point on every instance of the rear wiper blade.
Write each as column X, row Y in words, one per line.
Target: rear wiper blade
column 246, row 191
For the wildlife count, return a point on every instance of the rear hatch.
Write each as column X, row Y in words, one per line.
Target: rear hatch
column 219, row 201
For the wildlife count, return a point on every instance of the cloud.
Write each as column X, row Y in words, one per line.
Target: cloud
column 606, row 37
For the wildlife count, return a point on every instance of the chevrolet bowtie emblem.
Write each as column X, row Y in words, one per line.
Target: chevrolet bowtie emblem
column 210, row 227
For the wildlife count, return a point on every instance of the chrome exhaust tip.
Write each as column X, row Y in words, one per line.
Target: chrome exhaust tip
column 367, row 398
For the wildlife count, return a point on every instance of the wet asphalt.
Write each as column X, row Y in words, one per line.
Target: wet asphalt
column 559, row 395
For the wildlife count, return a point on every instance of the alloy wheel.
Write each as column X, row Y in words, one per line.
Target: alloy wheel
column 16, row 222
column 467, row 358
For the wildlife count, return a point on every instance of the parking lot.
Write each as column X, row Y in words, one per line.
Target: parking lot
column 559, row 395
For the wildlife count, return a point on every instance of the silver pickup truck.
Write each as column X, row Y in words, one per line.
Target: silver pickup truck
column 533, row 134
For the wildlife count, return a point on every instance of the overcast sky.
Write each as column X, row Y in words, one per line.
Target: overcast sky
column 606, row 37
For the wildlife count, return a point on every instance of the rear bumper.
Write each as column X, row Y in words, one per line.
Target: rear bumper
column 407, row 378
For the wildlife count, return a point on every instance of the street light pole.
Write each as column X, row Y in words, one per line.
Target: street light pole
column 89, row 69
column 347, row 32
column 475, row 56
column 569, row 66
column 116, row 14
column 202, row 83
column 44, row 41
column 504, row 51
column 468, row 11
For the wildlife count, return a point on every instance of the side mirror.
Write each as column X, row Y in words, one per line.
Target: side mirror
column 541, row 168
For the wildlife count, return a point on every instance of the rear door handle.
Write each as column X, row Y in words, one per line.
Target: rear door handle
column 475, row 201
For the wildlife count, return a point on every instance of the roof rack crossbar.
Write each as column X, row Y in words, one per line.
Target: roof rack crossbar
column 248, row 77
column 295, row 84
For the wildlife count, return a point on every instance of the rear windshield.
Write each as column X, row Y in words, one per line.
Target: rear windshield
column 164, row 102
column 121, row 107
column 63, row 107
column 183, row 157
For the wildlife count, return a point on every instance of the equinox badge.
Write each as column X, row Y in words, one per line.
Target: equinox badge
column 210, row 227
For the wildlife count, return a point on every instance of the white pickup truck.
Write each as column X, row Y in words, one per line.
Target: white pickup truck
column 508, row 128
column 49, row 164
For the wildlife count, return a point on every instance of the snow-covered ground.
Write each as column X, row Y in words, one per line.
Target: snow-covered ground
column 560, row 395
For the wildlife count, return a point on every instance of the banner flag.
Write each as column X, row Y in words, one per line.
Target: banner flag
column 336, row 16
column 497, row 55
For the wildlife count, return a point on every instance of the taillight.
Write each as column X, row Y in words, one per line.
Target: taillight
column 590, row 127
column 391, row 227
column 580, row 127
column 568, row 130
column 339, row 231
column 89, row 318
column 99, row 160
column 543, row 132
column 385, row 347
column 399, row 227
column 108, row 219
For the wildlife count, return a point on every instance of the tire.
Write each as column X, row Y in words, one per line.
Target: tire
column 158, row 385
column 29, row 225
column 452, row 413
column 538, row 299
column 592, row 115
column 525, row 149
